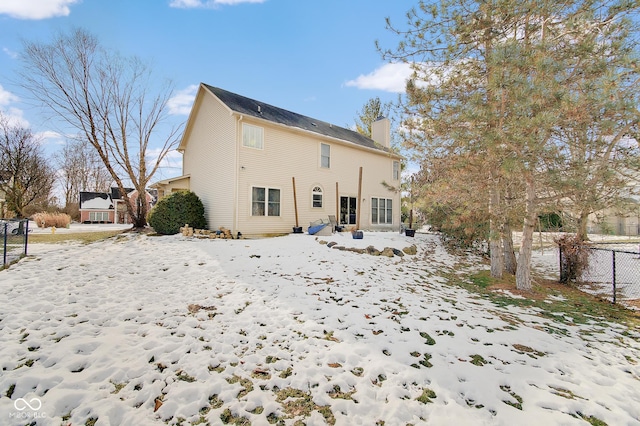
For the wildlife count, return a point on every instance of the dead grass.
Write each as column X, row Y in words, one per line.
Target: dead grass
column 82, row 237
column 46, row 220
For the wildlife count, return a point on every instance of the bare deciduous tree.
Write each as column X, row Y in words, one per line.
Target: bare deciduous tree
column 80, row 169
column 108, row 100
column 27, row 176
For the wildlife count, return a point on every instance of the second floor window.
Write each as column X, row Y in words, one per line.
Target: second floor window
column 325, row 156
column 252, row 136
column 396, row 170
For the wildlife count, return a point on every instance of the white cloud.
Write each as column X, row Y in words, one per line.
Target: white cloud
column 208, row 4
column 15, row 117
column 6, row 97
column 35, row 9
column 181, row 103
column 389, row 77
column 170, row 166
column 10, row 53
column 13, row 114
column 49, row 137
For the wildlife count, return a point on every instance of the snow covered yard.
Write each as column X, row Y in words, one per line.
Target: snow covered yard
column 140, row 330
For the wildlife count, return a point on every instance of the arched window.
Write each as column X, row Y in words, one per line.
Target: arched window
column 316, row 194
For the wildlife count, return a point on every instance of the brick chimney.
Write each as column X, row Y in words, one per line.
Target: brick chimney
column 381, row 131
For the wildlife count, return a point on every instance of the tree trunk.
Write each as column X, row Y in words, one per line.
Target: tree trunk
column 510, row 262
column 582, row 226
column 495, row 243
column 523, row 272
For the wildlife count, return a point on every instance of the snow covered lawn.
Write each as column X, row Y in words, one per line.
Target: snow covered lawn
column 139, row 330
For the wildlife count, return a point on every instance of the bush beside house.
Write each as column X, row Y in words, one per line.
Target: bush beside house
column 175, row 210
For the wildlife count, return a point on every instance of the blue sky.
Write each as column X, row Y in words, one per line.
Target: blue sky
column 315, row 58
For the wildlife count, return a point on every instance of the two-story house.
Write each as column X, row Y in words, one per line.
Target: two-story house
column 256, row 166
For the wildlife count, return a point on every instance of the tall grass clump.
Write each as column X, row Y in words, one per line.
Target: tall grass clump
column 47, row 220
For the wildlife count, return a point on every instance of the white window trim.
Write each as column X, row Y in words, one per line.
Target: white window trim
column 321, row 156
column 395, row 176
column 266, row 201
column 313, row 193
column 386, row 203
column 251, row 126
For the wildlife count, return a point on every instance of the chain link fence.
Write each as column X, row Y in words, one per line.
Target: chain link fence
column 14, row 239
column 613, row 274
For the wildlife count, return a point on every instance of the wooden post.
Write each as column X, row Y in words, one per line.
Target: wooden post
column 295, row 201
column 359, row 201
column 337, row 204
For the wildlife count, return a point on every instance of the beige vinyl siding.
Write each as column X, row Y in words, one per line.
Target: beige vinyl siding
column 291, row 153
column 210, row 160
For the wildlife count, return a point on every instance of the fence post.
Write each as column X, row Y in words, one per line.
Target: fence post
column 614, row 275
column 560, row 260
column 26, row 235
column 4, row 252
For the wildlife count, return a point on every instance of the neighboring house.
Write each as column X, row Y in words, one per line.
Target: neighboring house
column 620, row 221
column 109, row 207
column 167, row 186
column 122, row 215
column 241, row 156
column 615, row 222
column 96, row 207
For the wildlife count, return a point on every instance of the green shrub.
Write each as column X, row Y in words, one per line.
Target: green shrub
column 175, row 210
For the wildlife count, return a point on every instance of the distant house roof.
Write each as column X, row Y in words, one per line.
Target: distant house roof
column 95, row 200
column 115, row 192
column 254, row 108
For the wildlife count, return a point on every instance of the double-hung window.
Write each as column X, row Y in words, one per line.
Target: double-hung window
column 265, row 201
column 381, row 211
column 99, row 216
column 325, row 155
column 252, row 136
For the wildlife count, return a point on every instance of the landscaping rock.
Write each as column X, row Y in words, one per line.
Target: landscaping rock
column 372, row 251
column 411, row 249
column 398, row 252
column 388, row 251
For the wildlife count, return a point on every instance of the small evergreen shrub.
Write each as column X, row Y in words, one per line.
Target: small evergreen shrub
column 175, row 210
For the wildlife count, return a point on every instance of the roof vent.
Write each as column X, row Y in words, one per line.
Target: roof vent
column 314, row 124
column 259, row 109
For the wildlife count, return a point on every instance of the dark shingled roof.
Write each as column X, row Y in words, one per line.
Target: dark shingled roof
column 115, row 192
column 253, row 108
column 88, row 196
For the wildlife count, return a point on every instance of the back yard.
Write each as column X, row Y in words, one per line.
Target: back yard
column 139, row 329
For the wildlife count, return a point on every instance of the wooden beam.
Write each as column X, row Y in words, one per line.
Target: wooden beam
column 295, row 201
column 359, row 201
